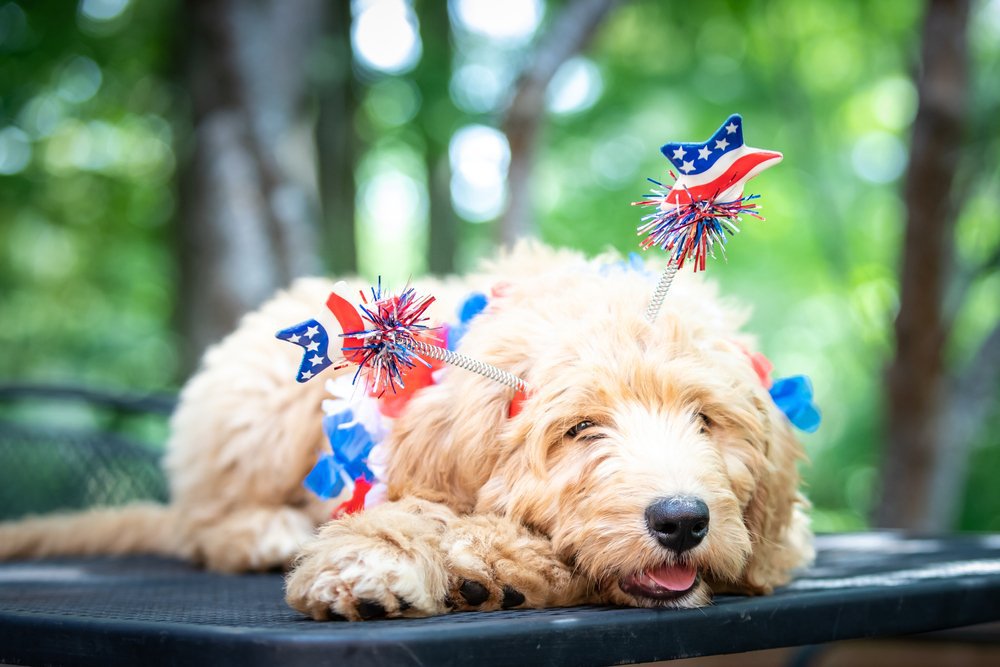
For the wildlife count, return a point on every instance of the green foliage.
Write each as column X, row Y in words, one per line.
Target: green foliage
column 982, row 493
column 87, row 268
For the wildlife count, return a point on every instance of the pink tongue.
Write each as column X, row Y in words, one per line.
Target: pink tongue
column 674, row 578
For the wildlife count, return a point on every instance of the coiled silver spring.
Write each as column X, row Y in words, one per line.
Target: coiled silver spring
column 469, row 364
column 662, row 287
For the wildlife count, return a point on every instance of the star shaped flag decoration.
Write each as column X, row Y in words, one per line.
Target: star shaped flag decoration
column 386, row 337
column 692, row 218
column 311, row 336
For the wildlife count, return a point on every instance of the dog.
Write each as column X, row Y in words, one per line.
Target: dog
column 647, row 467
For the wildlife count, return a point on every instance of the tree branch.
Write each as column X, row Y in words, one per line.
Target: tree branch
column 569, row 33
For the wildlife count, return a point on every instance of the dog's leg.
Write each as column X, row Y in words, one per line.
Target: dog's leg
column 418, row 558
column 246, row 539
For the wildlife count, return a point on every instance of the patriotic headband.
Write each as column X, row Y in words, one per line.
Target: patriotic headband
column 692, row 217
column 385, row 338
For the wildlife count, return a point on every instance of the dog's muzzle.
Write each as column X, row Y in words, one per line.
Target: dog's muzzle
column 679, row 523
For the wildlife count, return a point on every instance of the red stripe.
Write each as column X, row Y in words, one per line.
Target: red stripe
column 737, row 171
column 349, row 319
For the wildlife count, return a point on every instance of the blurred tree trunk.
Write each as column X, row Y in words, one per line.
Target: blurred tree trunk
column 916, row 380
column 436, row 122
column 247, row 197
column 972, row 400
column 569, row 33
column 974, row 395
column 337, row 144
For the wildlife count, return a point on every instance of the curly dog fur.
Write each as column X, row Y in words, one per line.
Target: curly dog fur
column 485, row 511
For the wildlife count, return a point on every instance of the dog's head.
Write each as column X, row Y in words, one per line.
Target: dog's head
column 651, row 455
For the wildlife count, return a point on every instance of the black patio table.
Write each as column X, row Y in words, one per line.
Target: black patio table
column 150, row 611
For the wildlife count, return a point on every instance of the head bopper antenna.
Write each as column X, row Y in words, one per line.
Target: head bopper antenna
column 692, row 217
column 384, row 337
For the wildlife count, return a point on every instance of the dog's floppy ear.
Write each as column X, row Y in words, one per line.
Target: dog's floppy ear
column 775, row 515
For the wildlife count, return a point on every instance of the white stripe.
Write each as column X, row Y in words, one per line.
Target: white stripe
column 716, row 170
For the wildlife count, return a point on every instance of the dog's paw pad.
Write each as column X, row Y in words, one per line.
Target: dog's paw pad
column 370, row 609
column 473, row 592
column 472, row 595
column 494, row 564
column 511, row 598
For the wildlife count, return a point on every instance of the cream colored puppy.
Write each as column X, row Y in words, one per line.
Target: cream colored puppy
column 648, row 467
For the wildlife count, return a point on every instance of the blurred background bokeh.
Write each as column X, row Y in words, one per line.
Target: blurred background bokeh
column 165, row 166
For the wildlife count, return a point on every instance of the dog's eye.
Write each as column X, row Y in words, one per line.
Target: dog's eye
column 704, row 422
column 582, row 426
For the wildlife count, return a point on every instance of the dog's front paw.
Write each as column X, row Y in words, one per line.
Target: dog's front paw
column 367, row 579
column 494, row 563
column 373, row 565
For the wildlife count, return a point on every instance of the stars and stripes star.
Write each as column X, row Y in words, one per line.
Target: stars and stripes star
column 312, row 337
column 718, row 168
column 693, row 216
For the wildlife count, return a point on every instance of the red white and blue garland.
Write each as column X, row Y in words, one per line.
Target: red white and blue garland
column 356, row 423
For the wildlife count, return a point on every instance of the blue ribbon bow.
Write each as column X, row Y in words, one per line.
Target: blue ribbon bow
column 474, row 304
column 351, row 443
column 794, row 396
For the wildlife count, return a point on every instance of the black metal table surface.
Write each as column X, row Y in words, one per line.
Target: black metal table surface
column 140, row 610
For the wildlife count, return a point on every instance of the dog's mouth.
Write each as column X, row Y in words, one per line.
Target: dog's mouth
column 665, row 583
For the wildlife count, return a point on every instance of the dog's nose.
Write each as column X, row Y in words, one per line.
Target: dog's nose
column 679, row 523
